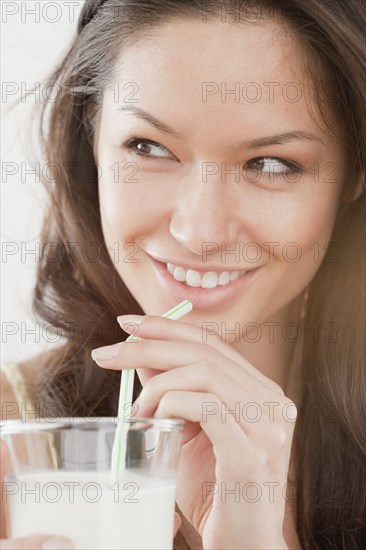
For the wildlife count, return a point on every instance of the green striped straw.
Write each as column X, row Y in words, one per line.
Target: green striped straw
column 125, row 399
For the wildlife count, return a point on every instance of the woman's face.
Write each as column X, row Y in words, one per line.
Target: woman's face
column 216, row 191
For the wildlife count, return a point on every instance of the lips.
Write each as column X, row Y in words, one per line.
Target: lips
column 202, row 298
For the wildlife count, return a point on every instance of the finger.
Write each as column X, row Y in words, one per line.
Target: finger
column 189, row 406
column 152, row 327
column 198, row 377
column 33, row 542
column 134, row 354
column 256, row 418
column 156, row 354
column 145, row 374
column 166, row 355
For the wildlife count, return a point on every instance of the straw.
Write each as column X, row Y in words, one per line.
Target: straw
column 125, row 398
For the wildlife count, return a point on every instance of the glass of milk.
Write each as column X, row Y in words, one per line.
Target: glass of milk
column 59, row 481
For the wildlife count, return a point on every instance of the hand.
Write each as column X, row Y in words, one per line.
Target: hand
column 43, row 541
column 221, row 451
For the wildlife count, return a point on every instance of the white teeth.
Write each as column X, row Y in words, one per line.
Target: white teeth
column 193, row 278
column 224, row 278
column 210, row 279
column 180, row 274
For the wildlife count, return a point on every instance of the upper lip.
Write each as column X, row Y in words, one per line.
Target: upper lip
column 202, row 267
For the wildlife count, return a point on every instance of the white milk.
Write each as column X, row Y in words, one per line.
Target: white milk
column 134, row 514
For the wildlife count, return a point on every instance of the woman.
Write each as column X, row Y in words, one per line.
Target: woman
column 215, row 151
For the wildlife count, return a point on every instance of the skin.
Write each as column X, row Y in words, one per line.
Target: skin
column 171, row 211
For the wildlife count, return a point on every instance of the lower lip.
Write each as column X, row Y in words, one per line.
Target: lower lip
column 203, row 298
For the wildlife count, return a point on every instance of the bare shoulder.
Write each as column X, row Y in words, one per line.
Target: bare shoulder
column 8, row 402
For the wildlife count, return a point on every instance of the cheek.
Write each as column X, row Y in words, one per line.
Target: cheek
column 129, row 208
column 292, row 228
column 301, row 230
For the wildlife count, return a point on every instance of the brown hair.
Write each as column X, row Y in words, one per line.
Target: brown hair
column 85, row 296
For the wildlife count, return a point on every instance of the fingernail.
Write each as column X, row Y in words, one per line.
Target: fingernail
column 57, row 543
column 129, row 319
column 130, row 327
column 104, row 353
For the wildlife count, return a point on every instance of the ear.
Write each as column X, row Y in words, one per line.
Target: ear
column 360, row 187
column 358, row 190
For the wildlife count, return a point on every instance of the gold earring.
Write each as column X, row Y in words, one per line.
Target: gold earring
column 304, row 303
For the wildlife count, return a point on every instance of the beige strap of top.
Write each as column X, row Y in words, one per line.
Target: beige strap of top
column 17, row 382
column 27, row 408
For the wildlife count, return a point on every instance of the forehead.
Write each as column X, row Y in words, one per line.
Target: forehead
column 186, row 69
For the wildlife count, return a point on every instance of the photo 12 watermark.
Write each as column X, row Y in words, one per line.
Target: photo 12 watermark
column 68, row 492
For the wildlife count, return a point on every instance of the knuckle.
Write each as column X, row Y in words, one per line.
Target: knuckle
column 212, row 398
column 205, row 351
column 166, row 400
column 262, row 458
column 278, row 389
column 143, row 344
column 217, row 338
column 205, row 370
column 149, row 386
column 279, row 437
column 289, row 410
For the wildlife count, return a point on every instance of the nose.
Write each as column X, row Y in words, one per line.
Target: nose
column 206, row 212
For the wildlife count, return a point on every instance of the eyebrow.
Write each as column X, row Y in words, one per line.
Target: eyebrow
column 278, row 139
column 140, row 113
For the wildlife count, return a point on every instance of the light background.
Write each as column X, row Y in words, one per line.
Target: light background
column 32, row 44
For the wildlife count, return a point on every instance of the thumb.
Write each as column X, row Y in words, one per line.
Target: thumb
column 177, row 522
column 36, row 542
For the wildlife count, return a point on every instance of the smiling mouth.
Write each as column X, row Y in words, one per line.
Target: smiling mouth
column 205, row 289
column 208, row 279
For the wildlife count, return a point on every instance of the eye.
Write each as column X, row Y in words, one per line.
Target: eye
column 148, row 148
column 272, row 167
